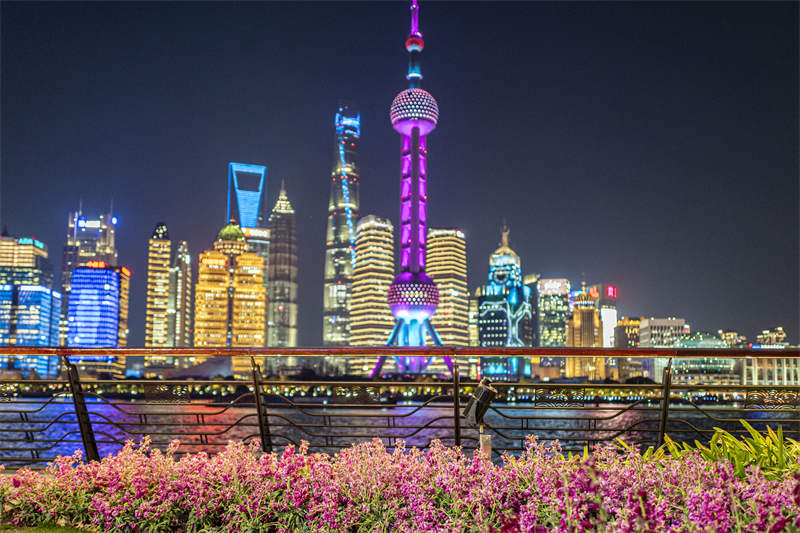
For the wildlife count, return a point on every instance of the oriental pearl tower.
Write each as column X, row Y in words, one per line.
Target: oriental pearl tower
column 413, row 296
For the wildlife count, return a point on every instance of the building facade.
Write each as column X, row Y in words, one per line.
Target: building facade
column 29, row 316
column 446, row 259
column 553, row 304
column 660, row 333
column 282, row 295
column 25, row 261
column 704, row 370
column 158, row 256
column 605, row 301
column 179, row 299
column 340, row 242
column 98, row 316
column 732, row 338
column 584, row 331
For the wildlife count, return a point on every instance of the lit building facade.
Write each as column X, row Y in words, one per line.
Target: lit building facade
column 340, row 243
column 413, row 296
column 660, row 333
column 282, row 296
column 732, row 338
column 766, row 369
column 626, row 335
column 553, row 304
column 29, row 316
column 98, row 315
column 605, row 301
column 371, row 321
column 704, row 370
column 24, row 261
column 504, row 313
column 446, row 258
column 772, row 337
column 583, row 331
column 474, row 312
column 156, row 327
column 179, row 300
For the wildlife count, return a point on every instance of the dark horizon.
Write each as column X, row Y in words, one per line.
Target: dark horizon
column 651, row 146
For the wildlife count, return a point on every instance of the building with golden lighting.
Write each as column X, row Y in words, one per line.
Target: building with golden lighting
column 156, row 331
column 446, row 264
column 371, row 321
column 583, row 331
column 230, row 297
column 282, row 286
column 179, row 302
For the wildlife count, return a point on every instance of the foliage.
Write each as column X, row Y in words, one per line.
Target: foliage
column 367, row 488
column 772, row 454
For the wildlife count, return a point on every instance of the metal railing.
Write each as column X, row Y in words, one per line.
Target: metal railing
column 43, row 418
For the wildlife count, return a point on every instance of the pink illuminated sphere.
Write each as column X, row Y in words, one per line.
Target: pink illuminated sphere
column 413, row 296
column 414, row 108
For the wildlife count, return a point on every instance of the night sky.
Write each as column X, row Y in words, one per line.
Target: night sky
column 651, row 146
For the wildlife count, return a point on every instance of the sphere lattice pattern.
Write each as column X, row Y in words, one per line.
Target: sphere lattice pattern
column 413, row 296
column 414, row 104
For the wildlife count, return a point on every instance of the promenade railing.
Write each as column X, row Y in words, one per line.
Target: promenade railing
column 43, row 418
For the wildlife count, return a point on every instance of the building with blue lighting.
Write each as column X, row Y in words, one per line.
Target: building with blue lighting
column 246, row 194
column 98, row 315
column 29, row 316
column 340, row 242
column 504, row 313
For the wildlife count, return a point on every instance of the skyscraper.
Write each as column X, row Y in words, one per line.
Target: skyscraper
column 605, row 301
column 98, row 315
column 29, row 316
column 340, row 251
column 413, row 296
column 660, row 333
column 87, row 240
column 25, row 261
column 282, row 297
column 156, row 328
column 446, row 258
column 553, row 309
column 179, row 300
column 583, row 331
column 371, row 321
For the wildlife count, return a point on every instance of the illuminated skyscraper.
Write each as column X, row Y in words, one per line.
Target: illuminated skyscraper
column 583, row 331
column 473, row 318
column 87, row 240
column 179, row 301
column 340, row 251
column 553, row 309
column 446, row 257
column 660, row 333
column 29, row 316
column 282, row 299
column 371, row 320
column 413, row 296
column 156, row 328
column 605, row 301
column 98, row 315
column 25, row 261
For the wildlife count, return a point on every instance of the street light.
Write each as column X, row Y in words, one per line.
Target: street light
column 476, row 409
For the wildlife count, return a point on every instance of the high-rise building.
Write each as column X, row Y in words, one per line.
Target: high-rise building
column 98, row 315
column 553, row 308
column 732, row 338
column 156, row 328
column 474, row 336
column 24, row 261
column 446, row 258
column 282, row 297
column 583, row 331
column 29, row 316
column 371, row 322
column 230, row 297
column 626, row 335
column 660, row 333
column 504, row 312
column 340, row 247
column 87, row 240
column 531, row 333
column 605, row 301
column 179, row 300
column 413, row 296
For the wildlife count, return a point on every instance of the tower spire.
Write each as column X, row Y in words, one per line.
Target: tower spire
column 414, row 45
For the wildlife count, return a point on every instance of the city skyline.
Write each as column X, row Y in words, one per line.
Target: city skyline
column 712, row 267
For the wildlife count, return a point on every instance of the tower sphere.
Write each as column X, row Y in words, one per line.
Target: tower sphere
column 413, row 296
column 414, row 108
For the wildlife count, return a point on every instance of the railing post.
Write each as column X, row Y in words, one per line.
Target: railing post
column 263, row 418
column 456, row 404
column 82, row 413
column 665, row 392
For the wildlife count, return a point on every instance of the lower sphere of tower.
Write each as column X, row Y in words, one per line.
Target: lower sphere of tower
column 414, row 108
column 413, row 296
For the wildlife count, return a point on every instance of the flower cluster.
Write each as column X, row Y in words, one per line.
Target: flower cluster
column 368, row 488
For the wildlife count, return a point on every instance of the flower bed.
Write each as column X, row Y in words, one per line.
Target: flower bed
column 366, row 488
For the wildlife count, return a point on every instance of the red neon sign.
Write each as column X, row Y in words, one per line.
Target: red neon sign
column 96, row 264
column 611, row 291
column 126, row 271
column 593, row 292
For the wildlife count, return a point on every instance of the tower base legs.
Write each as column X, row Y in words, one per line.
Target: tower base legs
column 413, row 333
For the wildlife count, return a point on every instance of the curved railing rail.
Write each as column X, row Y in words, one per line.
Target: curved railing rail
column 43, row 418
